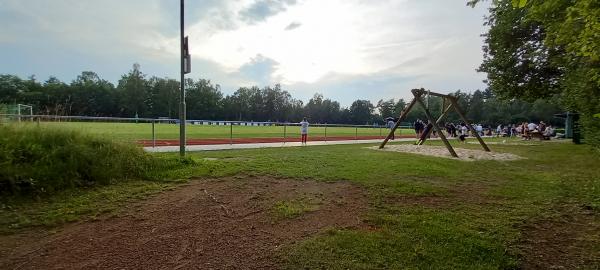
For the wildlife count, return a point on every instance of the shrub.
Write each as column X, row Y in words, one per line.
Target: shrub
column 36, row 160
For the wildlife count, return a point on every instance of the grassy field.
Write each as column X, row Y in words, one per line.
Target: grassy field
column 143, row 131
column 426, row 212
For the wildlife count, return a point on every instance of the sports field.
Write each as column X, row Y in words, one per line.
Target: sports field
column 164, row 131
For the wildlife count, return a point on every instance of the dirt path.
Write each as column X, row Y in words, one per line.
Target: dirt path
column 207, row 224
column 260, row 140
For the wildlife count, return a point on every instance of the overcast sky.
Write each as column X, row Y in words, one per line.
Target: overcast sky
column 344, row 49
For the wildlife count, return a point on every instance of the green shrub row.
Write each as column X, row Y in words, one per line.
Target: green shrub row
column 36, row 160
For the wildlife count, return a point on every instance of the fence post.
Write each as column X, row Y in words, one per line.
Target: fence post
column 284, row 132
column 356, row 133
column 153, row 136
column 325, row 133
column 230, row 133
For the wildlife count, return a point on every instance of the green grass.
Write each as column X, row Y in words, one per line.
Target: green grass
column 43, row 160
column 465, row 234
column 479, row 228
column 143, row 131
column 294, row 208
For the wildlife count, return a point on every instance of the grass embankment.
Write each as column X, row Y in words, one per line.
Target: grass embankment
column 49, row 176
column 143, row 131
column 45, row 160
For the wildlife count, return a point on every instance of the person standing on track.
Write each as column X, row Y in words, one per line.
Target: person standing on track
column 391, row 125
column 304, row 130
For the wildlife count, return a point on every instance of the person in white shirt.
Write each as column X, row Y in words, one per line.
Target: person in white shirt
column 391, row 125
column 532, row 126
column 549, row 131
column 479, row 129
column 304, row 130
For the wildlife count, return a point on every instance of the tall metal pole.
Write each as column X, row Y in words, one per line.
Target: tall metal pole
column 182, row 95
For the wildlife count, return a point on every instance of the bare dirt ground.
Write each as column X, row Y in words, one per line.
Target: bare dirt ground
column 441, row 151
column 207, row 224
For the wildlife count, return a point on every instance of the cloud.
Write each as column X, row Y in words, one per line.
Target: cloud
column 259, row 70
column 292, row 26
column 262, row 9
column 346, row 88
column 366, row 49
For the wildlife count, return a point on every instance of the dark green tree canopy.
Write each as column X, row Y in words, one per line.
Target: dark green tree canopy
column 546, row 49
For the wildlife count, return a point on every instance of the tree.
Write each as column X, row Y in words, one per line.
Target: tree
column 313, row 109
column 165, row 95
column 10, row 88
column 476, row 107
column 361, row 112
column 203, row 100
column 544, row 48
column 135, row 97
column 387, row 108
column 517, row 61
column 90, row 95
column 400, row 105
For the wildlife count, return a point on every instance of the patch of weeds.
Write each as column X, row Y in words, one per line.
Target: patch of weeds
column 289, row 209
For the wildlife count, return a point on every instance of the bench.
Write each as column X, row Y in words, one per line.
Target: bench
column 539, row 135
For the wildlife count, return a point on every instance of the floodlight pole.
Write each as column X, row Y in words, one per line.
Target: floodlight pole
column 182, row 95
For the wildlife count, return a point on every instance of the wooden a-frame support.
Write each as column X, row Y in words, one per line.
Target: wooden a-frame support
column 453, row 103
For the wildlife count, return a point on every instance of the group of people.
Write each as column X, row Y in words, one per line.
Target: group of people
column 425, row 130
column 452, row 130
column 530, row 130
column 527, row 130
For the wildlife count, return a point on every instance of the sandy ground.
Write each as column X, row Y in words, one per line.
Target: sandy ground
column 441, row 151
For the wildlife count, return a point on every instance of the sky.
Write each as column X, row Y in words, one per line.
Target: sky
column 343, row 49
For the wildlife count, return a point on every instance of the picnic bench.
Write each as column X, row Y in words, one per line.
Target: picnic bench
column 539, row 135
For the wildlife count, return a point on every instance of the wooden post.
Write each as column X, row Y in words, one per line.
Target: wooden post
column 153, row 136
column 437, row 122
column 402, row 116
column 462, row 116
column 437, row 128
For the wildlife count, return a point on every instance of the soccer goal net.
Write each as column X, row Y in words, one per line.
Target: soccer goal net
column 15, row 112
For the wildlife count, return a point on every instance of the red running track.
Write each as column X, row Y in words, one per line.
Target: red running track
column 148, row 143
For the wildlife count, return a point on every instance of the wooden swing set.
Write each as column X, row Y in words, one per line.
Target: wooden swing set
column 452, row 102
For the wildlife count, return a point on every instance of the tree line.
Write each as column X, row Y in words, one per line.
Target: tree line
column 137, row 95
column 546, row 49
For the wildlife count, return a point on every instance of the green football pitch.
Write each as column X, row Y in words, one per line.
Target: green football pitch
column 165, row 131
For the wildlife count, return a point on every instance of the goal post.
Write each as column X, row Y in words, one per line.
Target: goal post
column 16, row 111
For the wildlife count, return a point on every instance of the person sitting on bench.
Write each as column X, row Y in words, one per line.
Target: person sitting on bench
column 549, row 132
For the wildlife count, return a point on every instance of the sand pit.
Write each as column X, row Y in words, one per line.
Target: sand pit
column 441, row 151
